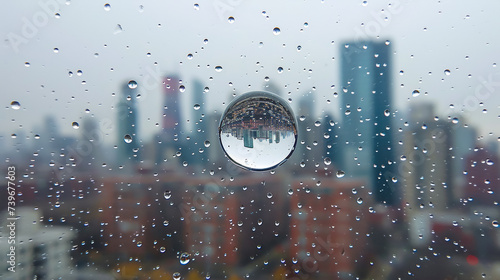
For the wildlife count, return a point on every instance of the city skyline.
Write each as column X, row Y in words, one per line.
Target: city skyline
column 472, row 77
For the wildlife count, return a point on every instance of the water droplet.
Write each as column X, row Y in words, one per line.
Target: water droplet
column 139, row 244
column 75, row 125
column 107, row 7
column 176, row 276
column 387, row 113
column 15, row 105
column 218, row 68
column 258, row 131
column 207, row 143
column 327, row 161
column 162, row 249
column 27, row 64
column 167, row 194
column 132, row 84
column 340, row 173
column 454, row 120
column 276, row 31
column 359, row 200
column 196, row 106
column 290, row 191
column 447, row 72
column 166, row 223
column 269, row 195
column 190, row 56
column 415, row 93
column 494, row 223
column 230, row 19
column 185, row 258
column 127, row 138
column 280, row 69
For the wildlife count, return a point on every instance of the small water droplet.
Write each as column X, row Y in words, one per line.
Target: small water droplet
column 387, row 113
column 280, row 69
column 27, row 64
column 327, row 161
column 107, row 7
column 494, row 223
column 190, row 56
column 166, row 223
column 162, row 249
column 127, row 138
column 218, row 68
column 207, row 143
column 269, row 195
column 167, row 194
column 276, row 31
column 359, row 200
column 132, row 84
column 75, row 125
column 176, row 276
column 139, row 244
column 415, row 93
column 15, row 105
column 258, row 131
column 454, row 120
column 447, row 72
column 230, row 19
column 340, row 173
column 185, row 258
column 196, row 106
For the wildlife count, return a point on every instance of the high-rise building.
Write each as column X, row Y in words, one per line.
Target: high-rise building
column 127, row 142
column 426, row 172
column 171, row 118
column 366, row 100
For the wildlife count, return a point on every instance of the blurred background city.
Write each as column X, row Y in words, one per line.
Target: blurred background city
column 111, row 120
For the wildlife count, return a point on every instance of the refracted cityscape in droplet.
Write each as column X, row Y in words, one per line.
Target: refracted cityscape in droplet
column 258, row 131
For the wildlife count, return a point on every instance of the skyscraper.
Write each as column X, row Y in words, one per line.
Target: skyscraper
column 366, row 101
column 127, row 142
column 171, row 117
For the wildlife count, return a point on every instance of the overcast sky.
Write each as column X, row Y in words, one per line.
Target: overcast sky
column 427, row 37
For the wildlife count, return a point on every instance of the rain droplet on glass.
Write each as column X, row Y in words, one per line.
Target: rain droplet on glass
column 132, row 84
column 127, row 138
column 15, row 105
column 185, row 258
column 75, row 125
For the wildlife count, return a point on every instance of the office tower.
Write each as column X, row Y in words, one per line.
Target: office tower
column 171, row 118
column 366, row 112
column 128, row 141
column 464, row 142
column 427, row 166
column 200, row 121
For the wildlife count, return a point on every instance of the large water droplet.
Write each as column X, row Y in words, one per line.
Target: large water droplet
column 15, row 105
column 185, row 258
column 340, row 173
column 258, row 131
column 127, row 138
column 132, row 84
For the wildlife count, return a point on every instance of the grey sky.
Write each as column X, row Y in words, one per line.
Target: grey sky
column 427, row 38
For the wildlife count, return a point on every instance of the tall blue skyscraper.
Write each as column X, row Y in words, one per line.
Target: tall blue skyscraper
column 366, row 100
column 127, row 142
